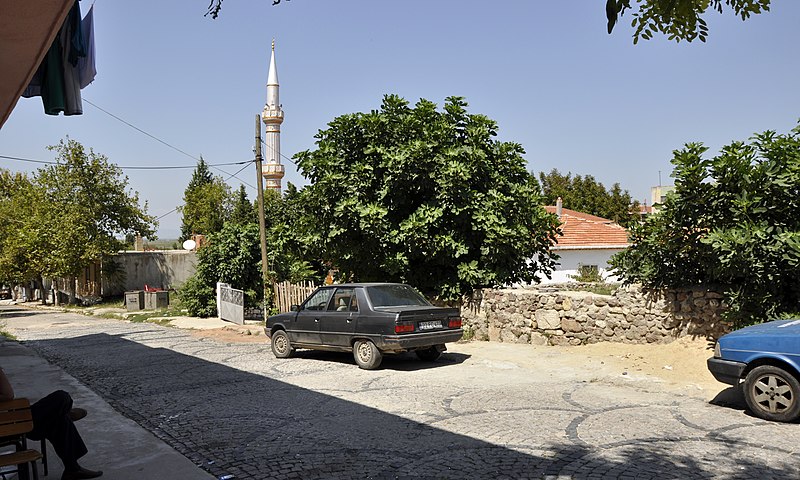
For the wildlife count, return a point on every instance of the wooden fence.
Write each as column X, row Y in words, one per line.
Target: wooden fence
column 288, row 294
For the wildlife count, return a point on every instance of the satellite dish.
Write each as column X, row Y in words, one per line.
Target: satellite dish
column 189, row 245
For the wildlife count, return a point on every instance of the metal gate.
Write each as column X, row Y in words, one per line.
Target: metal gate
column 230, row 303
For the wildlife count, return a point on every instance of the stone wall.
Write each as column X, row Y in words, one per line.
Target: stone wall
column 554, row 315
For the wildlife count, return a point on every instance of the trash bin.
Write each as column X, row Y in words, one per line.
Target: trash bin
column 134, row 300
column 156, row 300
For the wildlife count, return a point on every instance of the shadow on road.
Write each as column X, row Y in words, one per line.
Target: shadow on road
column 252, row 426
column 404, row 362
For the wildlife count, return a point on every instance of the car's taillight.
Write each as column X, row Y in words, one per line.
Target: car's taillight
column 454, row 322
column 404, row 327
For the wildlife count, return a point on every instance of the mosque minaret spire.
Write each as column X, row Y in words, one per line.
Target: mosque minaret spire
column 272, row 170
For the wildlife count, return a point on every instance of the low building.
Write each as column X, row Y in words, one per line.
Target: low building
column 587, row 244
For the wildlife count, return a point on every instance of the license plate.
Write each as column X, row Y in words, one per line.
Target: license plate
column 430, row 325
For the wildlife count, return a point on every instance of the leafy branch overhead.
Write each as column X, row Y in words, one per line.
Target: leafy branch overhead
column 677, row 19
column 216, row 5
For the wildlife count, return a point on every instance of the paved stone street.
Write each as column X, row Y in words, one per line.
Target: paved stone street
column 235, row 409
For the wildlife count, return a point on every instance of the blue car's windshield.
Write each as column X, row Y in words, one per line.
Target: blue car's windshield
column 395, row 295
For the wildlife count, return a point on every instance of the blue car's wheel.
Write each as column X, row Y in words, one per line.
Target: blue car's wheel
column 772, row 393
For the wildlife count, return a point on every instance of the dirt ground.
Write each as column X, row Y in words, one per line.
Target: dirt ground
column 679, row 366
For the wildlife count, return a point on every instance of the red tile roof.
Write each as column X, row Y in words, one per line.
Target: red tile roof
column 584, row 230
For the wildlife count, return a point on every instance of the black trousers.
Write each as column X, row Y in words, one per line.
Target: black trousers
column 51, row 421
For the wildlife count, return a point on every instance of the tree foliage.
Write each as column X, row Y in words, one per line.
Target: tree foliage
column 677, row 19
column 232, row 256
column 426, row 197
column 243, row 211
column 67, row 216
column 17, row 197
column 206, row 203
column 216, row 5
column 732, row 221
column 587, row 195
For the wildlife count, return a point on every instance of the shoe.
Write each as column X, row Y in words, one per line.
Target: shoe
column 77, row 413
column 81, row 473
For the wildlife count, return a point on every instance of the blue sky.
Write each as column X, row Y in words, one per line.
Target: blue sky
column 576, row 98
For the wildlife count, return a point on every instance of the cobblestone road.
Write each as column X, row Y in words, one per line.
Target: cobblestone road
column 235, row 409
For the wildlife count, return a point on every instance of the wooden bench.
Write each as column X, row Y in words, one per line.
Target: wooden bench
column 15, row 423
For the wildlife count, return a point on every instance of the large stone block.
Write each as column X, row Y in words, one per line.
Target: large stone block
column 570, row 325
column 547, row 319
column 538, row 339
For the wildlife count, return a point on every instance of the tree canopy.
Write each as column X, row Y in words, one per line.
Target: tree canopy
column 587, row 195
column 206, row 203
column 67, row 216
column 733, row 221
column 426, row 197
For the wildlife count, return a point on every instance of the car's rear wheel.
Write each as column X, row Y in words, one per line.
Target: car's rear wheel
column 281, row 346
column 367, row 354
column 429, row 354
column 772, row 393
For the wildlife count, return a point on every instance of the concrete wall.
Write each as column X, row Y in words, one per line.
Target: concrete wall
column 554, row 315
column 160, row 269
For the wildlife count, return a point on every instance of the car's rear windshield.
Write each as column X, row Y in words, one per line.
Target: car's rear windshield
column 395, row 295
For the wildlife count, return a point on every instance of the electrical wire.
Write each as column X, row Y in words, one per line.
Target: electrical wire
column 176, row 167
column 176, row 208
column 158, row 139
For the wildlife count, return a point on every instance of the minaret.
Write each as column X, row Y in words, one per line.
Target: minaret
column 272, row 170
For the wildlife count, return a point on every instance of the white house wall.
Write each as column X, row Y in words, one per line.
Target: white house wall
column 571, row 259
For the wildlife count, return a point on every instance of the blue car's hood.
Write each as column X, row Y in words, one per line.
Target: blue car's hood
column 777, row 339
column 775, row 327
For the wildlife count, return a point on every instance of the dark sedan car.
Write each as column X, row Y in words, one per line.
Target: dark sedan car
column 369, row 319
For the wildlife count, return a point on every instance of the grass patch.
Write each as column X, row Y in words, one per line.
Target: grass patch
column 6, row 333
column 598, row 288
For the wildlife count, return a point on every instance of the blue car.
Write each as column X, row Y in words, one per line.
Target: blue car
column 766, row 358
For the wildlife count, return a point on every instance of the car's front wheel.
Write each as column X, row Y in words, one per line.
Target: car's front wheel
column 367, row 355
column 281, row 347
column 772, row 393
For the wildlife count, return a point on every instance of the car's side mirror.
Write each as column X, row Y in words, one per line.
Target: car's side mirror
column 295, row 308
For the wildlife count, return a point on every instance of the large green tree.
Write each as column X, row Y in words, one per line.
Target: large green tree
column 587, row 195
column 206, row 203
column 69, row 215
column 427, row 197
column 733, row 222
column 17, row 199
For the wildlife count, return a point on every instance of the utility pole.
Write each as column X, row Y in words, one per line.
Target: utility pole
column 261, row 222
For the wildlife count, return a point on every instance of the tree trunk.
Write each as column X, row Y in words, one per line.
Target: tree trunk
column 72, row 281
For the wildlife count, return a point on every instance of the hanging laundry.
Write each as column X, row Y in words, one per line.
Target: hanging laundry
column 57, row 79
column 86, row 66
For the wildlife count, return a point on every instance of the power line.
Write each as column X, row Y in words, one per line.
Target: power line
column 176, row 208
column 176, row 167
column 158, row 139
column 282, row 155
